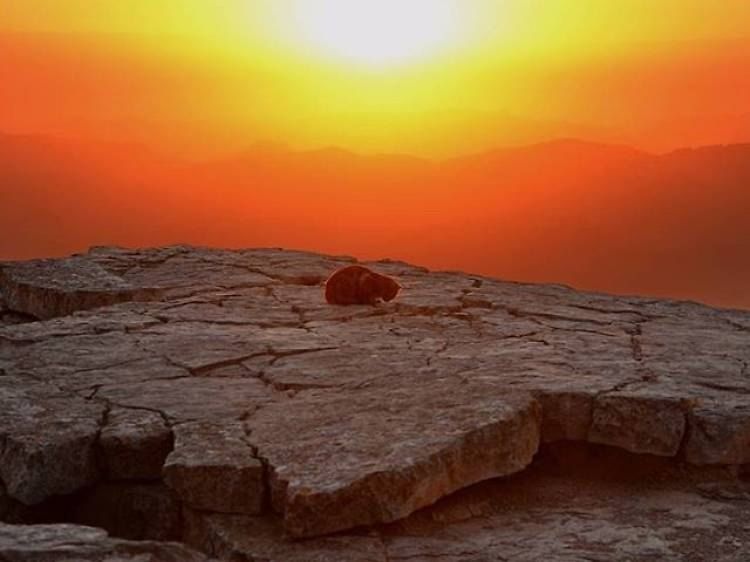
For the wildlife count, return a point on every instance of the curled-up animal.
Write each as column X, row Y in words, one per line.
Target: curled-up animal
column 356, row 284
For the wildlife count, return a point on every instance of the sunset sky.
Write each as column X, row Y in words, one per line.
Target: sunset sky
column 428, row 77
column 597, row 143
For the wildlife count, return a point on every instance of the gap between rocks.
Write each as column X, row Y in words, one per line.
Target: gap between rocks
column 157, row 513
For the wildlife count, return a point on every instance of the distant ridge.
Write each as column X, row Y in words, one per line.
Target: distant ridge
column 595, row 216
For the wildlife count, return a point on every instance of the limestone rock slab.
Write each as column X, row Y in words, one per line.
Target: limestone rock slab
column 175, row 267
column 51, row 288
column 9, row 317
column 67, row 543
column 360, row 414
column 233, row 537
column 186, row 398
column 133, row 444
column 47, row 440
column 213, row 468
column 616, row 507
column 719, row 434
column 372, row 456
column 639, row 424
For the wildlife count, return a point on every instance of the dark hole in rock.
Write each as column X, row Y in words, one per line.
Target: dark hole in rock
column 574, row 477
column 128, row 510
column 563, row 474
column 11, row 318
column 598, row 462
column 131, row 511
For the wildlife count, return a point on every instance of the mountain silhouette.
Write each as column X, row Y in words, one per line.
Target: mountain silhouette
column 595, row 216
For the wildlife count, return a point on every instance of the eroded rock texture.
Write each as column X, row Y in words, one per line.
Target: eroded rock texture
column 51, row 288
column 47, row 439
column 68, row 543
column 624, row 510
column 214, row 468
column 216, row 395
column 391, row 455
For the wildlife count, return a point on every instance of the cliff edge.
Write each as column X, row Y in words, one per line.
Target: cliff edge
column 212, row 397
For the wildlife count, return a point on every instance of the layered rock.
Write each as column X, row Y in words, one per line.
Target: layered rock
column 47, row 439
column 609, row 508
column 65, row 543
column 219, row 390
column 50, row 288
column 392, row 454
column 9, row 317
column 213, row 468
column 133, row 444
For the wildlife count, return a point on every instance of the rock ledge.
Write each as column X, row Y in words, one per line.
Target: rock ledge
column 212, row 390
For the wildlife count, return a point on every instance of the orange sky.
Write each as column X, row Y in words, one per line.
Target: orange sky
column 450, row 76
column 223, row 83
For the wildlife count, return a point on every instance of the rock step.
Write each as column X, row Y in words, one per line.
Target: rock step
column 213, row 468
column 67, row 543
column 52, row 288
column 395, row 455
column 576, row 502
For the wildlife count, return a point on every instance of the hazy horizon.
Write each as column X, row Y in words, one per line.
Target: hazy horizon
column 594, row 216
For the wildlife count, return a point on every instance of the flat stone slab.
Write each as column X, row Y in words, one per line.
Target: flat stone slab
column 50, row 288
column 263, row 399
column 232, row 537
column 214, row 468
column 610, row 509
column 392, row 454
column 47, row 439
column 65, row 543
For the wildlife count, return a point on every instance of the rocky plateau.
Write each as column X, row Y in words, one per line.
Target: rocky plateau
column 185, row 403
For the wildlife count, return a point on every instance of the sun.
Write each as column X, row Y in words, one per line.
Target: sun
column 378, row 32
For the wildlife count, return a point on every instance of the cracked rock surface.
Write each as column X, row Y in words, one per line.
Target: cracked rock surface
column 263, row 414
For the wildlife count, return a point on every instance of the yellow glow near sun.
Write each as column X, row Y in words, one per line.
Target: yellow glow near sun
column 378, row 32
